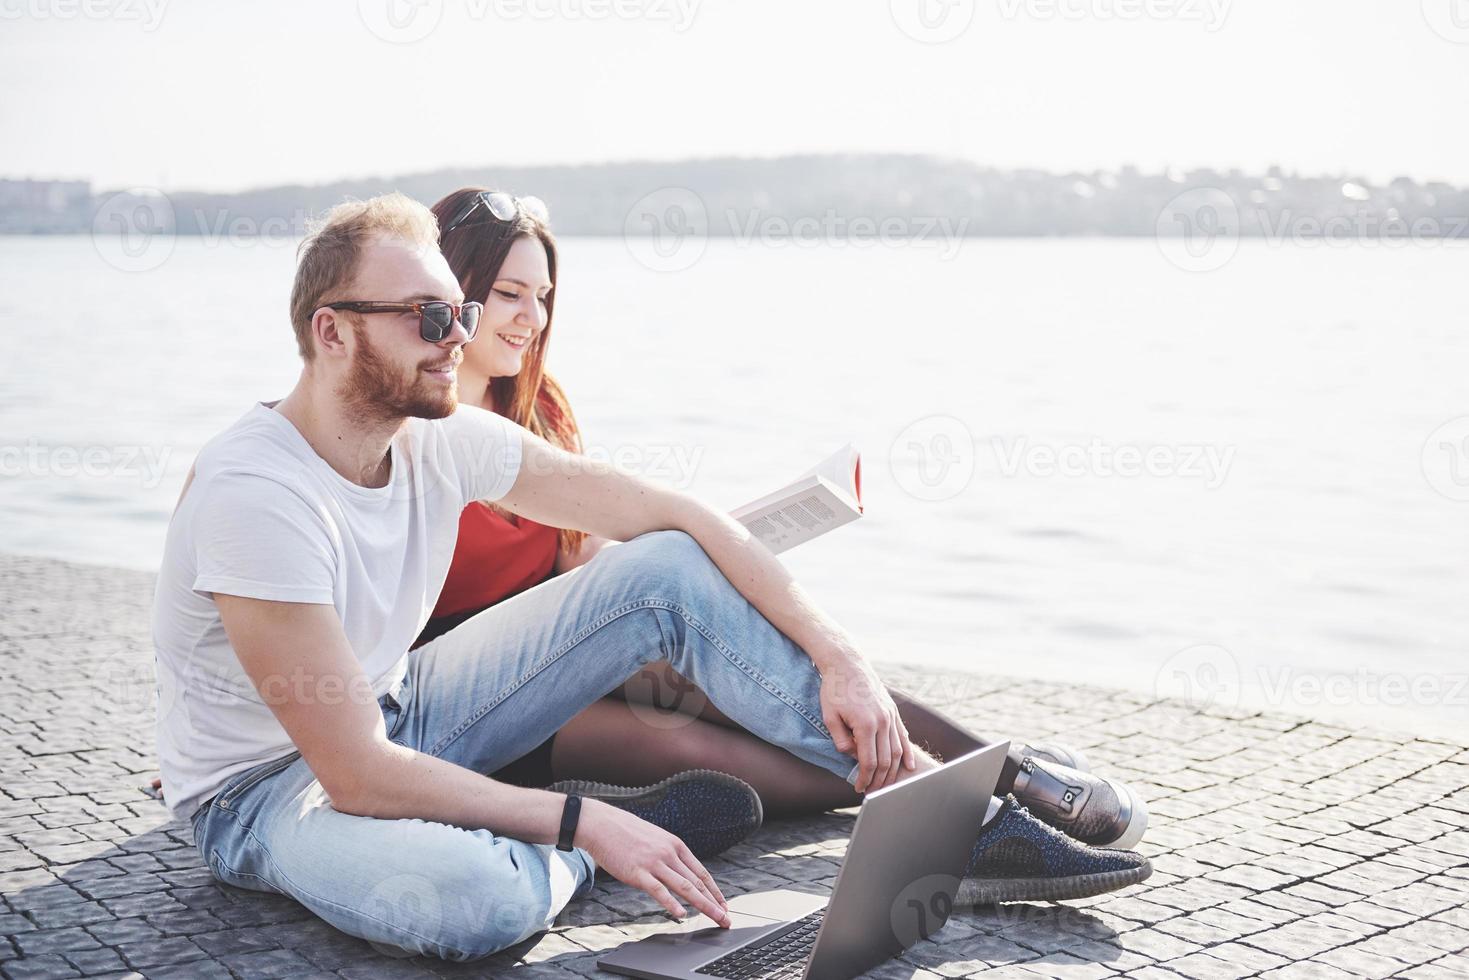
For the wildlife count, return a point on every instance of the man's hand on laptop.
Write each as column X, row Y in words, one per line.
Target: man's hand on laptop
column 864, row 721
column 649, row 858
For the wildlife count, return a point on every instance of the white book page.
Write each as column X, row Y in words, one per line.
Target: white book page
column 826, row 497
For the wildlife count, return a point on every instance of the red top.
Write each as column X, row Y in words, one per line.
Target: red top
column 494, row 559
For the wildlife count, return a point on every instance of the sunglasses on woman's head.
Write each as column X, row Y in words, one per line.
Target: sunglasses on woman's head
column 435, row 319
column 503, row 206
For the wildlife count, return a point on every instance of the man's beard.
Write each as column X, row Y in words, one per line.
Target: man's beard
column 375, row 390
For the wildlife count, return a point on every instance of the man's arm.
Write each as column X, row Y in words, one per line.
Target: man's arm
column 565, row 490
column 301, row 662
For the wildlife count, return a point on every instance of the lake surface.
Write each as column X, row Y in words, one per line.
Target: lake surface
column 1081, row 461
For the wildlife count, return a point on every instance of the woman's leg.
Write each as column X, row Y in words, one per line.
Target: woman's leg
column 659, row 689
column 658, row 724
column 614, row 741
column 659, row 686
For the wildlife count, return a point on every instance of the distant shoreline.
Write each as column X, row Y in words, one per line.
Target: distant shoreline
column 820, row 198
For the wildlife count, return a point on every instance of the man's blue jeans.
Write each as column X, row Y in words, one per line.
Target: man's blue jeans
column 483, row 695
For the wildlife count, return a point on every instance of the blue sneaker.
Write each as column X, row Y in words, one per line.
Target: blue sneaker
column 1017, row 858
column 709, row 811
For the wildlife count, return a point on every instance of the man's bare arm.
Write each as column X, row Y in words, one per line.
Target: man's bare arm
column 565, row 490
column 301, row 662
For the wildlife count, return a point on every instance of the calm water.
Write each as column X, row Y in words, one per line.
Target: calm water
column 1081, row 462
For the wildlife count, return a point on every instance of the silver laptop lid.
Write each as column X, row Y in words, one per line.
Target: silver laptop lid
column 911, row 844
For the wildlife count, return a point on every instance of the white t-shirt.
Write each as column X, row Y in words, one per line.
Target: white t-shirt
column 267, row 518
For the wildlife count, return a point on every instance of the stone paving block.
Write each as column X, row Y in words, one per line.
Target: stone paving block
column 44, row 967
column 1307, row 970
column 1297, row 940
column 1362, row 962
column 1283, row 847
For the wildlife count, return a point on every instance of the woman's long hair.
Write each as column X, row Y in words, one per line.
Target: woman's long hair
column 475, row 251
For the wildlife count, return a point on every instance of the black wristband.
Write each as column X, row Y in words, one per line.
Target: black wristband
column 569, row 815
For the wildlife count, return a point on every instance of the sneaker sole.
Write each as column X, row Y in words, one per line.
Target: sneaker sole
column 712, row 832
column 1137, row 823
column 990, row 891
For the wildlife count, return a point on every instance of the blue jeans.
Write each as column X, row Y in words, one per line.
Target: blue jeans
column 483, row 695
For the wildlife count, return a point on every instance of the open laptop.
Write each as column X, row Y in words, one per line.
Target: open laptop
column 896, row 886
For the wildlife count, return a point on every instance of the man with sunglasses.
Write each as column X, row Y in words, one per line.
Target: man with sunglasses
column 317, row 758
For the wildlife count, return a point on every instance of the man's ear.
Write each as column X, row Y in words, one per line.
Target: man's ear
column 328, row 330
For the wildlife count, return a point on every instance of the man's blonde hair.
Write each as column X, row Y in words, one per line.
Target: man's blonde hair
column 327, row 260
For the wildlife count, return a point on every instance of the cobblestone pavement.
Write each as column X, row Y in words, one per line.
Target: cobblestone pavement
column 1284, row 848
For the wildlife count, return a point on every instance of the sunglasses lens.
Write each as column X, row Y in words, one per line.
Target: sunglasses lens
column 437, row 320
column 536, row 208
column 501, row 205
column 469, row 316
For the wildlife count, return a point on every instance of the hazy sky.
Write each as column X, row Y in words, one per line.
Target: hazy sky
column 205, row 94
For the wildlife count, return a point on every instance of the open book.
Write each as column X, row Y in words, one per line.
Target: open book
column 825, row 497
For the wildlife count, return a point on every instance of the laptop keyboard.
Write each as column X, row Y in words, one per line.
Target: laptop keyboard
column 780, row 958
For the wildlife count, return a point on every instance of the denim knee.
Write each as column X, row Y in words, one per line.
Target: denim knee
column 475, row 906
column 671, row 563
